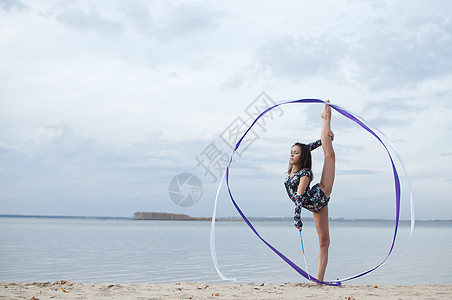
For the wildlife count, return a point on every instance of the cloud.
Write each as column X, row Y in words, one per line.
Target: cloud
column 183, row 21
column 357, row 172
column 59, row 145
column 445, row 154
column 60, row 141
column 395, row 105
column 70, row 173
column 394, row 112
column 301, row 57
column 177, row 21
column 7, row 148
column 89, row 21
column 138, row 15
column 386, row 54
column 143, row 33
column 402, row 54
column 10, row 5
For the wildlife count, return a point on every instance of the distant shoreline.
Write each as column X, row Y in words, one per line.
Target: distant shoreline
column 219, row 219
column 63, row 217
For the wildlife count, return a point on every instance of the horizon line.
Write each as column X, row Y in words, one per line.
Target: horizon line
column 235, row 218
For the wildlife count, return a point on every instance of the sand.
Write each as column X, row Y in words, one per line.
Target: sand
column 191, row 290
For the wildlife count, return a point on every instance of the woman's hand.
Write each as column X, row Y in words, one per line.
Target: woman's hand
column 331, row 135
column 299, row 229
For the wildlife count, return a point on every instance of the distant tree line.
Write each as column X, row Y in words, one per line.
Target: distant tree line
column 165, row 216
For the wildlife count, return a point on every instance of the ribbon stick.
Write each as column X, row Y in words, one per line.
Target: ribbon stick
column 304, row 255
column 363, row 124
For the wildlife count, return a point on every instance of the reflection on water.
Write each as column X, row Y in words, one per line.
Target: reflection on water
column 127, row 251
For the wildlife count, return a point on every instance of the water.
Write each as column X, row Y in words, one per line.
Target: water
column 128, row 251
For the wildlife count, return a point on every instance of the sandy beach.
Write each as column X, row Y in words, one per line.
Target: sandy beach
column 191, row 290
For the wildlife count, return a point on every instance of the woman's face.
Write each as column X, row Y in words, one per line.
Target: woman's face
column 295, row 154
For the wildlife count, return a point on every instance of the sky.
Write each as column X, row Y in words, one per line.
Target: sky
column 104, row 103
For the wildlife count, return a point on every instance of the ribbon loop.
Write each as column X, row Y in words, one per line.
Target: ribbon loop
column 363, row 124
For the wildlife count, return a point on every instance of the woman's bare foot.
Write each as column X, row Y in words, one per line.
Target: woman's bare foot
column 327, row 111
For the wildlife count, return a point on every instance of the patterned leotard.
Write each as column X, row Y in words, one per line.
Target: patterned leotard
column 313, row 199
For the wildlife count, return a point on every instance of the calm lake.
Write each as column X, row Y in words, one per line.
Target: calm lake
column 129, row 251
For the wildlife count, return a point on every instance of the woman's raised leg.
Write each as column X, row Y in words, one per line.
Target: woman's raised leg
column 326, row 184
column 329, row 159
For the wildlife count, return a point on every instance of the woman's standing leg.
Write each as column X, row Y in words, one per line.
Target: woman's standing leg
column 321, row 224
column 326, row 184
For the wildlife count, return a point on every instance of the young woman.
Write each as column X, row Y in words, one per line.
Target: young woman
column 316, row 198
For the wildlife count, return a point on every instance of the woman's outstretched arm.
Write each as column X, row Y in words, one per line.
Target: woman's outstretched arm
column 315, row 145
column 318, row 143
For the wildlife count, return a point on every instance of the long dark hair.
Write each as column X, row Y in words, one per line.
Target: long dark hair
column 305, row 161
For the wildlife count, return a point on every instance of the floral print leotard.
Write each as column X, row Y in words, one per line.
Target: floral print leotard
column 313, row 199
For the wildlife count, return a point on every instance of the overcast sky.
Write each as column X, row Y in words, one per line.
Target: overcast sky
column 103, row 103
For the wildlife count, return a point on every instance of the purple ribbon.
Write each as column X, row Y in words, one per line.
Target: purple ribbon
column 361, row 123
